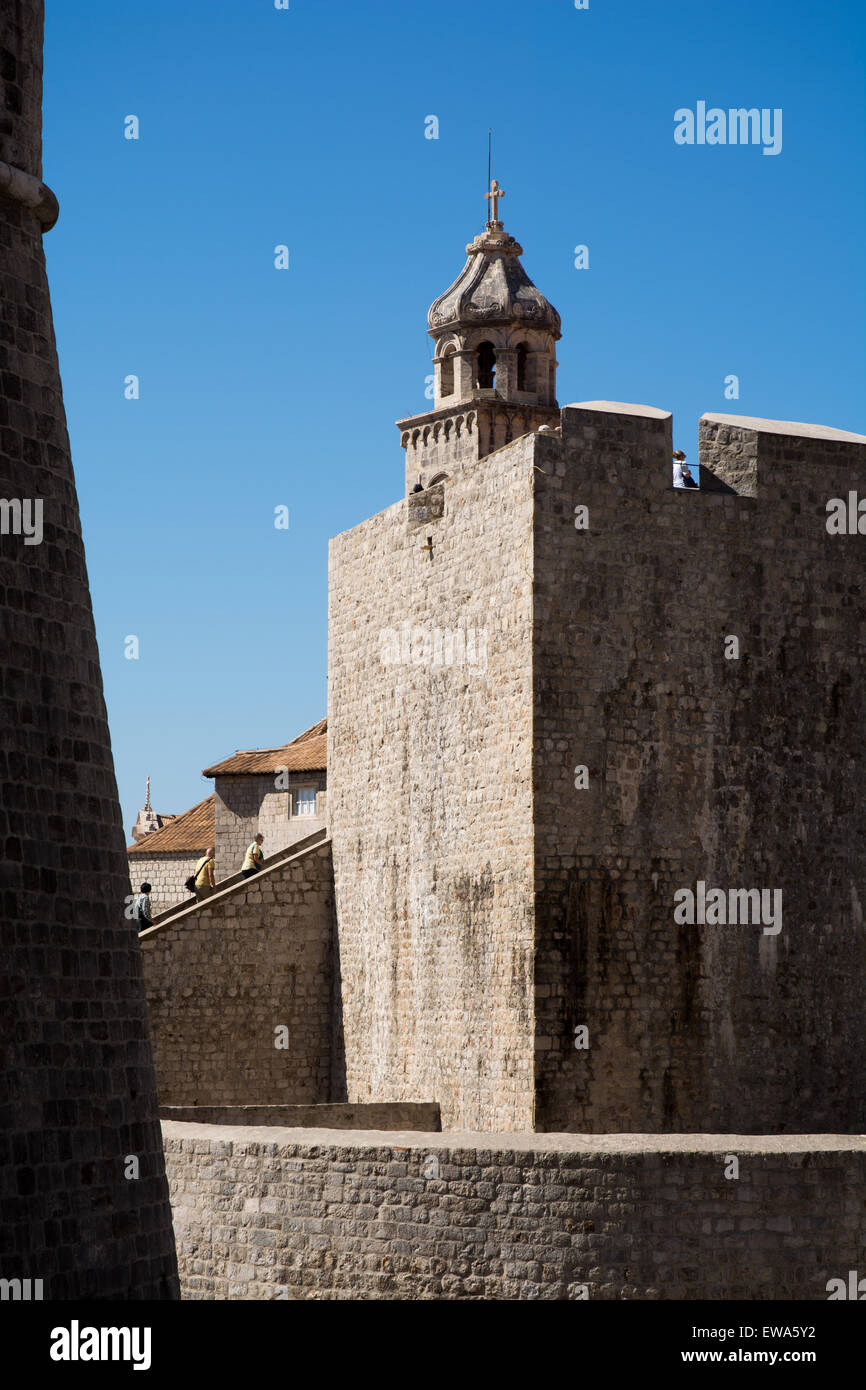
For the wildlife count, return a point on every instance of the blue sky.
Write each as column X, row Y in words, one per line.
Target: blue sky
column 262, row 388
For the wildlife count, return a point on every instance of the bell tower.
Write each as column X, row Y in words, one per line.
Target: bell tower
column 494, row 359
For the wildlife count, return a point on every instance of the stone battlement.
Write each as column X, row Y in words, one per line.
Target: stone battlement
column 536, row 813
column 632, row 445
column 321, row 1214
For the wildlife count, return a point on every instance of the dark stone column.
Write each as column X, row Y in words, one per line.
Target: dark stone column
column 77, row 1090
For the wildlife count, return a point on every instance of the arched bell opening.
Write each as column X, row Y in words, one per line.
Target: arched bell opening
column 446, row 372
column 485, row 369
column 523, row 367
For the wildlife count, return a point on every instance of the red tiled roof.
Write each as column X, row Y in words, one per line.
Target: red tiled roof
column 306, row 753
column 193, row 831
column 313, row 732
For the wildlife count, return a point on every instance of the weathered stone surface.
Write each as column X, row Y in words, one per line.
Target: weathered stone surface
column 396, row 1115
column 484, row 897
column 743, row 773
column 77, row 1093
column 430, row 797
column 288, row 1214
column 222, row 976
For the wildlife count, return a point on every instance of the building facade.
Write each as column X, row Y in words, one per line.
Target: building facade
column 280, row 793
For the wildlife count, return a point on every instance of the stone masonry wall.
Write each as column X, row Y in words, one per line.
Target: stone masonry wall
column 743, row 773
column 223, row 975
column 314, row 1214
column 166, row 874
column 77, row 1091
column 243, row 806
column 429, row 797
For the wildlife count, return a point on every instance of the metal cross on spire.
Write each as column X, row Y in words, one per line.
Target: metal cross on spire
column 147, row 796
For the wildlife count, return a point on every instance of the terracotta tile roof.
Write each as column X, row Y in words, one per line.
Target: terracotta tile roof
column 314, row 731
column 306, row 753
column 193, row 831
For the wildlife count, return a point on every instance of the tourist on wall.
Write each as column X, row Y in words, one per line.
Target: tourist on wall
column 203, row 877
column 679, row 460
column 254, row 857
column 688, row 480
column 143, row 914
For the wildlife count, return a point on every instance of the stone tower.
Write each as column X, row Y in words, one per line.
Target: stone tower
column 539, row 741
column 495, row 339
column 84, row 1195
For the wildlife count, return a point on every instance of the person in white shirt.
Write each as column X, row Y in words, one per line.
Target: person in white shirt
column 679, row 459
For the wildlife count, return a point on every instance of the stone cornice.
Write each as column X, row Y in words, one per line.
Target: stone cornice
column 31, row 193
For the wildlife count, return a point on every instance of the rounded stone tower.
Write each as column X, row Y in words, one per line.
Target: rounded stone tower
column 495, row 339
column 84, row 1196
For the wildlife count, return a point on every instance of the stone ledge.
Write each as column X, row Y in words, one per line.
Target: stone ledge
column 784, row 427
column 341, row 1116
column 649, row 412
column 236, row 883
column 524, row 1142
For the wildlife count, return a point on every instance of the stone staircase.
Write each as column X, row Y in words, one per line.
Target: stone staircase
column 225, row 885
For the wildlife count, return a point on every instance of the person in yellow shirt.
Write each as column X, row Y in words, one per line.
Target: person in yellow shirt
column 254, row 857
column 205, row 882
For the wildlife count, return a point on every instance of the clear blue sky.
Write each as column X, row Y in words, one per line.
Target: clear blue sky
column 261, row 387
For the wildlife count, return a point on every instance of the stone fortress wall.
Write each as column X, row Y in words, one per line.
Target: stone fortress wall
column 563, row 695
column 743, row 773
column 482, row 917
column 77, row 1090
column 700, row 768
column 222, row 976
column 429, row 776
column 312, row 1214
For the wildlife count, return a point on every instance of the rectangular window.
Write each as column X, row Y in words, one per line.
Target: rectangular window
column 305, row 801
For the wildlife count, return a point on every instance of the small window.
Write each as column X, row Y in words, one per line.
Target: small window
column 305, row 801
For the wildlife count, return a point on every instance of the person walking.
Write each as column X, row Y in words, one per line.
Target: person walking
column 205, row 882
column 143, row 914
column 254, row 857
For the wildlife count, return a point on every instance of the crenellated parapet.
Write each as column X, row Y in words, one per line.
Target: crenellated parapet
column 442, row 440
